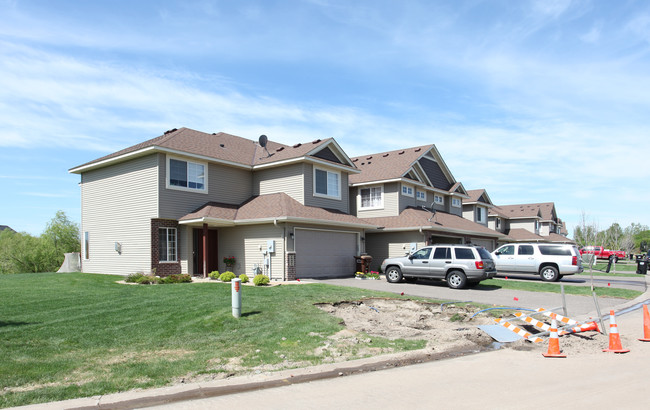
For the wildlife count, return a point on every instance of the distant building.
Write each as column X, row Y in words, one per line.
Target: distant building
column 3, row 227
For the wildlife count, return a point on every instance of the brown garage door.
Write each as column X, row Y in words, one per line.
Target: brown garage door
column 321, row 254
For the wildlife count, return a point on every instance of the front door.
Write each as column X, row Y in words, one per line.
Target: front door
column 197, row 251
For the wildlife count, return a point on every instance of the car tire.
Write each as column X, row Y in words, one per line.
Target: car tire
column 549, row 274
column 393, row 275
column 456, row 279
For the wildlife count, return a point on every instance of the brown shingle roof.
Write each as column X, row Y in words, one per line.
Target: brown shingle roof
column 221, row 146
column 517, row 211
column 523, row 235
column 273, row 206
column 386, row 165
column 416, row 218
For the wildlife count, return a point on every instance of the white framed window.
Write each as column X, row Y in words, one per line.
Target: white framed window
column 187, row 175
column 480, row 214
column 439, row 199
column 456, row 202
column 421, row 195
column 327, row 183
column 407, row 190
column 166, row 244
column 371, row 198
column 498, row 223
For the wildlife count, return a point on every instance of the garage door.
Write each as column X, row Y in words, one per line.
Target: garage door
column 321, row 254
column 486, row 243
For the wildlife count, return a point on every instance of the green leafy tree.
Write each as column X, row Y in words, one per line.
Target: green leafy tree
column 21, row 252
column 60, row 236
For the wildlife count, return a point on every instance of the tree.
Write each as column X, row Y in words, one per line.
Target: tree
column 61, row 236
column 24, row 253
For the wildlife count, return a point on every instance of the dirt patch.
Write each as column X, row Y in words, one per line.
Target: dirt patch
column 443, row 327
column 446, row 328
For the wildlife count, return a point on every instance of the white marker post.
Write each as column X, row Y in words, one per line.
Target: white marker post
column 236, row 297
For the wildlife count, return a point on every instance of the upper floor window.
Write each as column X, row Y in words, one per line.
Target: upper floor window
column 421, row 195
column 455, row 202
column 439, row 199
column 407, row 190
column 372, row 197
column 480, row 214
column 327, row 183
column 186, row 175
column 498, row 223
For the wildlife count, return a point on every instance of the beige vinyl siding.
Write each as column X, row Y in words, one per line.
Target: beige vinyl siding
column 391, row 202
column 523, row 224
column 391, row 245
column 469, row 212
column 244, row 243
column 454, row 210
column 342, row 204
column 228, row 185
column 288, row 179
column 118, row 203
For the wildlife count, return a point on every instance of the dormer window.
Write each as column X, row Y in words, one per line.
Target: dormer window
column 421, row 195
column 327, row 184
column 407, row 190
column 455, row 202
column 439, row 199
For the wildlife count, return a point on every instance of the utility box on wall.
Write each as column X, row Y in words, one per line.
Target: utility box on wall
column 270, row 246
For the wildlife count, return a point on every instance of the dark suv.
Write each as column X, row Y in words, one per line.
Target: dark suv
column 459, row 265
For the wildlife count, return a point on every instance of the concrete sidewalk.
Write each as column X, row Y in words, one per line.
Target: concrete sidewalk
column 500, row 379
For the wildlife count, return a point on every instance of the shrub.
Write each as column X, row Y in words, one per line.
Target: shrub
column 214, row 274
column 227, row 276
column 244, row 278
column 183, row 278
column 133, row 277
column 261, row 280
column 148, row 280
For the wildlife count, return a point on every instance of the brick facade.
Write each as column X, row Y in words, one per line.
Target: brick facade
column 291, row 266
column 164, row 268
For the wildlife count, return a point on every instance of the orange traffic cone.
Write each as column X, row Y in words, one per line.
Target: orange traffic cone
column 553, row 341
column 585, row 328
column 646, row 325
column 614, row 338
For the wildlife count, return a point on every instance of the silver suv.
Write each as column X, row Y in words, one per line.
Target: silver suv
column 459, row 265
column 549, row 261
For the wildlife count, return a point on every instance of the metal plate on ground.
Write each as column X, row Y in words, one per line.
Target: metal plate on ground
column 500, row 333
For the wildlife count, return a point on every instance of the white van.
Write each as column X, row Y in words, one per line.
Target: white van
column 549, row 261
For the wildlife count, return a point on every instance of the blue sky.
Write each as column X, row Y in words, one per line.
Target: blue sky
column 534, row 101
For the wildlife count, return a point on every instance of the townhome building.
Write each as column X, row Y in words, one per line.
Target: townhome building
column 181, row 202
column 536, row 222
column 477, row 206
column 413, row 198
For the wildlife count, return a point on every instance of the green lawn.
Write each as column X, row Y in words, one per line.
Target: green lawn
column 76, row 335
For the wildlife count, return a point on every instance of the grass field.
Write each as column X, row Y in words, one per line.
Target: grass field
column 76, row 335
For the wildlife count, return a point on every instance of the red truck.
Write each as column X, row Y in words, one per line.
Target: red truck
column 602, row 253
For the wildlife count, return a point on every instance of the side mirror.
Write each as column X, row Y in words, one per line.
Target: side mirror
column 410, row 257
column 497, row 253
